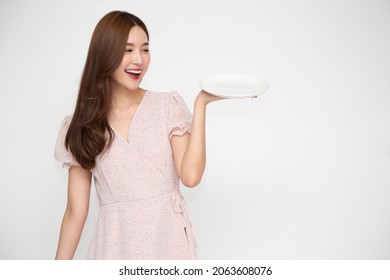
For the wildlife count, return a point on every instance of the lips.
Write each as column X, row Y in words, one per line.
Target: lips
column 134, row 73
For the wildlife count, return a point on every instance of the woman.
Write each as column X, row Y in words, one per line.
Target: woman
column 137, row 145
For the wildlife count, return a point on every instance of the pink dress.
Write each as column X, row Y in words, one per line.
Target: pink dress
column 142, row 212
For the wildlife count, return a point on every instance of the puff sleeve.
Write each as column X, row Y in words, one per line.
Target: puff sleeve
column 179, row 118
column 61, row 153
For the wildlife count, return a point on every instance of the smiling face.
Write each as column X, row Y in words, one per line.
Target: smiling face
column 135, row 62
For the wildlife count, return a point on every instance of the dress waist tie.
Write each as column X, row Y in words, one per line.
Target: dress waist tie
column 179, row 205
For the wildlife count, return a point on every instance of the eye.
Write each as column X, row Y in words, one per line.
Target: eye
column 145, row 50
column 129, row 50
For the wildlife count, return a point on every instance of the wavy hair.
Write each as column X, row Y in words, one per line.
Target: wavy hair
column 87, row 135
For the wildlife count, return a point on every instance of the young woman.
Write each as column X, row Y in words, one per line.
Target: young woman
column 137, row 145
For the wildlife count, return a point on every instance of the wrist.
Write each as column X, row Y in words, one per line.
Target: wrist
column 200, row 102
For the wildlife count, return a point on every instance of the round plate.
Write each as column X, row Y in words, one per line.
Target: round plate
column 234, row 86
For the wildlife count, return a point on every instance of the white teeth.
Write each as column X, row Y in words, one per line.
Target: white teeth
column 135, row 72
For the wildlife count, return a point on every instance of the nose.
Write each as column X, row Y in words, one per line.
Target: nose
column 137, row 58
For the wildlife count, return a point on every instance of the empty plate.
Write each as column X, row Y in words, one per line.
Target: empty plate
column 234, row 86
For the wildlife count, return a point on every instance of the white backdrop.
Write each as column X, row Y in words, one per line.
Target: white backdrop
column 303, row 172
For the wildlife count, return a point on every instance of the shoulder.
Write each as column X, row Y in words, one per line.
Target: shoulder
column 166, row 99
column 67, row 119
column 171, row 97
column 166, row 95
column 65, row 123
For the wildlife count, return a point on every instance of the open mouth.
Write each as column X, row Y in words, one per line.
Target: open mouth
column 134, row 73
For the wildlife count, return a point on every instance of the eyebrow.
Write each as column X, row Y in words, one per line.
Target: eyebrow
column 132, row 45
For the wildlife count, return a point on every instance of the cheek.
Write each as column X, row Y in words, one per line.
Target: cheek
column 116, row 76
column 119, row 71
column 147, row 60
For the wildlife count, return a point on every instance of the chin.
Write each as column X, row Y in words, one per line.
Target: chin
column 133, row 87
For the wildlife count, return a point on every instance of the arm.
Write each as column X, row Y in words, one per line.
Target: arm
column 79, row 186
column 189, row 150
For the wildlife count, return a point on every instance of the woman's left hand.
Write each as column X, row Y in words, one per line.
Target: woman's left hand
column 205, row 97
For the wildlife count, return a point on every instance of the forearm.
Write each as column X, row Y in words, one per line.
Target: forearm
column 71, row 229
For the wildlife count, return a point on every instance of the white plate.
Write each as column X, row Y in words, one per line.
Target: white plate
column 234, row 86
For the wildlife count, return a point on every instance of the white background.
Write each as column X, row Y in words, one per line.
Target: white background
column 303, row 172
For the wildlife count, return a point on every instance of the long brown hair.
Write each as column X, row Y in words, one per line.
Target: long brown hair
column 86, row 137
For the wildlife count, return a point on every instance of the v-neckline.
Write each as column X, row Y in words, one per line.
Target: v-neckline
column 136, row 113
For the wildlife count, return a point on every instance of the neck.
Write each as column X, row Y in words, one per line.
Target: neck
column 125, row 99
